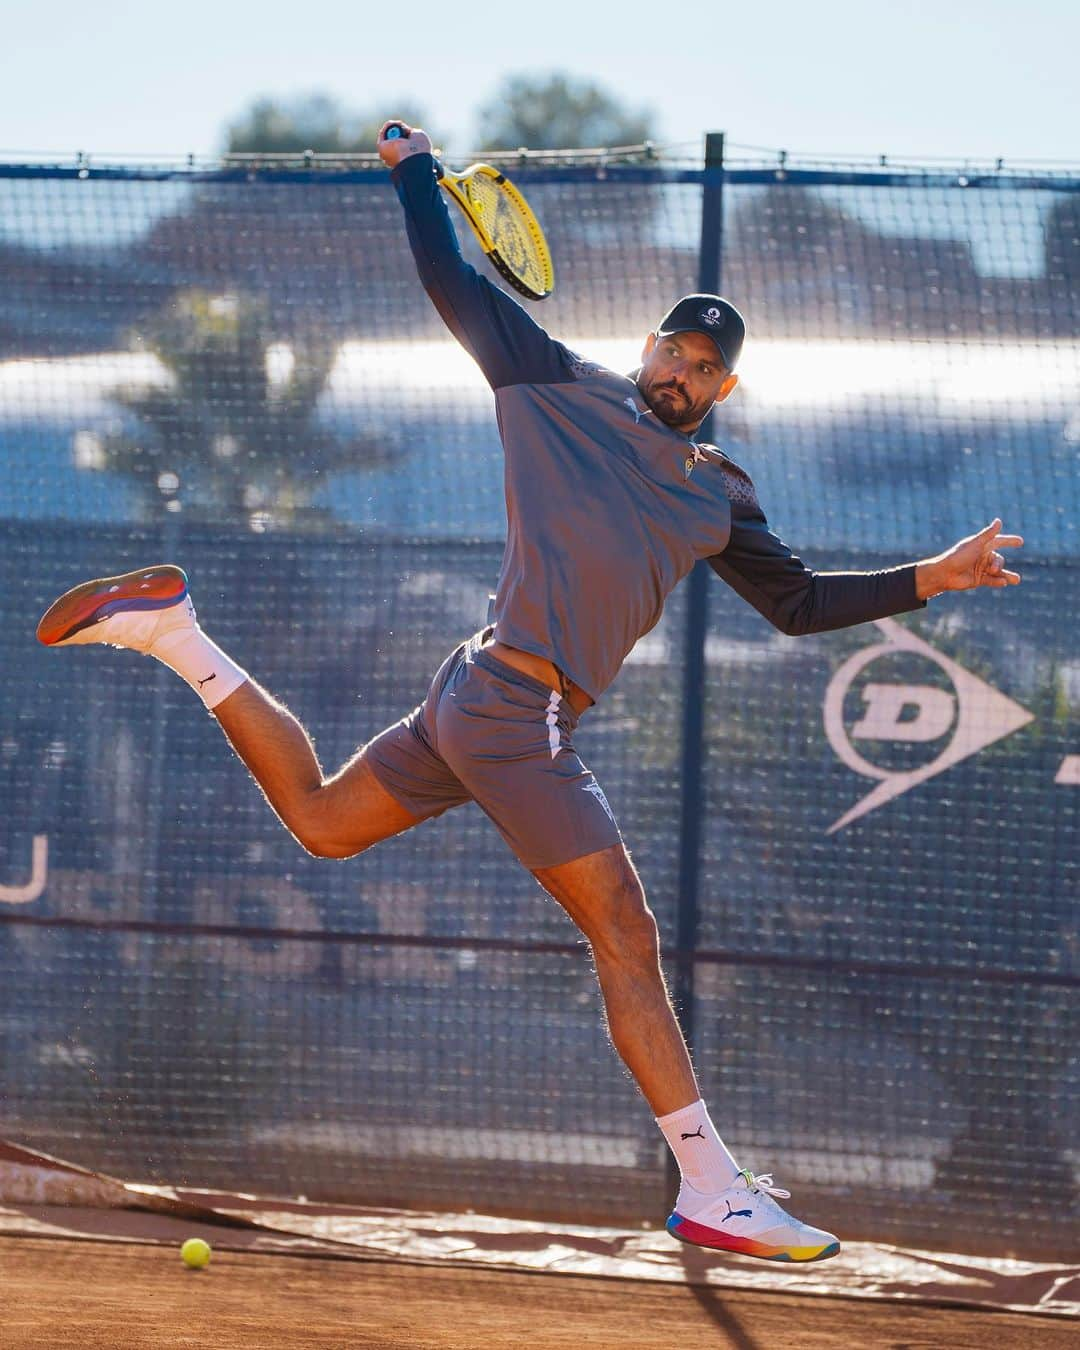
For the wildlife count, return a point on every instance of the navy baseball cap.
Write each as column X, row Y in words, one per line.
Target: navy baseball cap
column 711, row 315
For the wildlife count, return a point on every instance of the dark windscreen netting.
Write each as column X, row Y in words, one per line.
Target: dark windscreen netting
column 241, row 373
column 893, row 827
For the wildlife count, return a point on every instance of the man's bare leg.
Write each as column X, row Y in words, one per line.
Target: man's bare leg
column 149, row 610
column 333, row 817
column 718, row 1205
column 603, row 895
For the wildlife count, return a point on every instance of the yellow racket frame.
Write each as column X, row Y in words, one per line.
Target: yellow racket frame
column 504, row 225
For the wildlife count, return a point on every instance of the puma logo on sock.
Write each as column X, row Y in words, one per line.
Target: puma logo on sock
column 208, row 679
column 696, row 1135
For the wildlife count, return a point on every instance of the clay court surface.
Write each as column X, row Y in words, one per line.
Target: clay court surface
column 116, row 1295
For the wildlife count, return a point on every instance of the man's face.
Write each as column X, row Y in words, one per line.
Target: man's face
column 681, row 377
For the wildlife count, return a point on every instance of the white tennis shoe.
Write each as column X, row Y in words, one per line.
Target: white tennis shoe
column 135, row 609
column 746, row 1219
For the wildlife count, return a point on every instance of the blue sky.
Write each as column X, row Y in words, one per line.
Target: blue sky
column 955, row 78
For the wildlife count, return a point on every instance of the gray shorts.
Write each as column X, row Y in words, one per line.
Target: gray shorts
column 489, row 734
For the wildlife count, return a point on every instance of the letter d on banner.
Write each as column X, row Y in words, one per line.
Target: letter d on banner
column 978, row 715
column 885, row 707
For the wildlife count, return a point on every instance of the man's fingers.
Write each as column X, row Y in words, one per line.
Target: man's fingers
column 996, row 573
column 978, row 561
column 989, row 534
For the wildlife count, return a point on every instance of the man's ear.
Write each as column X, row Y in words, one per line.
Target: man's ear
column 647, row 350
column 727, row 387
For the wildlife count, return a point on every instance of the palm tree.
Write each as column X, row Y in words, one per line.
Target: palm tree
column 233, row 431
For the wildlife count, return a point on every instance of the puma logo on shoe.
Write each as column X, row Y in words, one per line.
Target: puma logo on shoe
column 696, row 1135
column 208, row 679
column 767, row 1233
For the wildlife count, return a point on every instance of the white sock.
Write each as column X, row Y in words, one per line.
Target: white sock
column 212, row 674
column 703, row 1159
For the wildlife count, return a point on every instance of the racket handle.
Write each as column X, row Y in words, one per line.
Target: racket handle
column 395, row 131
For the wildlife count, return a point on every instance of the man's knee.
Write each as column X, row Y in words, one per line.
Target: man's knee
column 623, row 927
column 347, row 815
column 314, row 839
column 329, row 848
column 320, row 833
column 604, row 896
column 633, row 936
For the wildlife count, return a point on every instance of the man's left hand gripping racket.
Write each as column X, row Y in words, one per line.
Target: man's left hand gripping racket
column 502, row 221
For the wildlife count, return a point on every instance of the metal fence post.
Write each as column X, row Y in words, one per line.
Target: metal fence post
column 693, row 722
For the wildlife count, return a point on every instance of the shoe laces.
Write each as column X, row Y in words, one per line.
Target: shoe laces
column 763, row 1183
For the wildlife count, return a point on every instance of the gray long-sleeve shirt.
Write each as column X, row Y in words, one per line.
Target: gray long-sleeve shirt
column 607, row 507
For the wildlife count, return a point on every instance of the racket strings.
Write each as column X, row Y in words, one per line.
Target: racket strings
column 520, row 251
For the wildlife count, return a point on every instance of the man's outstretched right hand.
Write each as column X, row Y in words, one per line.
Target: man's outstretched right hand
column 970, row 563
column 412, row 141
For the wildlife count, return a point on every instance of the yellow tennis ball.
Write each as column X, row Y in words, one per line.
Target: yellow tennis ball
column 195, row 1253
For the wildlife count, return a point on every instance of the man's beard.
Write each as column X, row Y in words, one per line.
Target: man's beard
column 672, row 407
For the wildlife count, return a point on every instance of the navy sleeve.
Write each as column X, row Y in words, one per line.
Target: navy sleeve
column 763, row 570
column 507, row 344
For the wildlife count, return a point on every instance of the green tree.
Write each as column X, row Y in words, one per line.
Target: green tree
column 558, row 111
column 233, row 431
column 316, row 122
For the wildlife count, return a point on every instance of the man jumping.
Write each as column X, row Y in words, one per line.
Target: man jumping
column 610, row 502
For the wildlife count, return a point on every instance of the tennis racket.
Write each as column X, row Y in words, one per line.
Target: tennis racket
column 502, row 221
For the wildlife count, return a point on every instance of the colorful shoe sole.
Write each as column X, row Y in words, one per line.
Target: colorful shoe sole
column 686, row 1230
column 149, row 588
